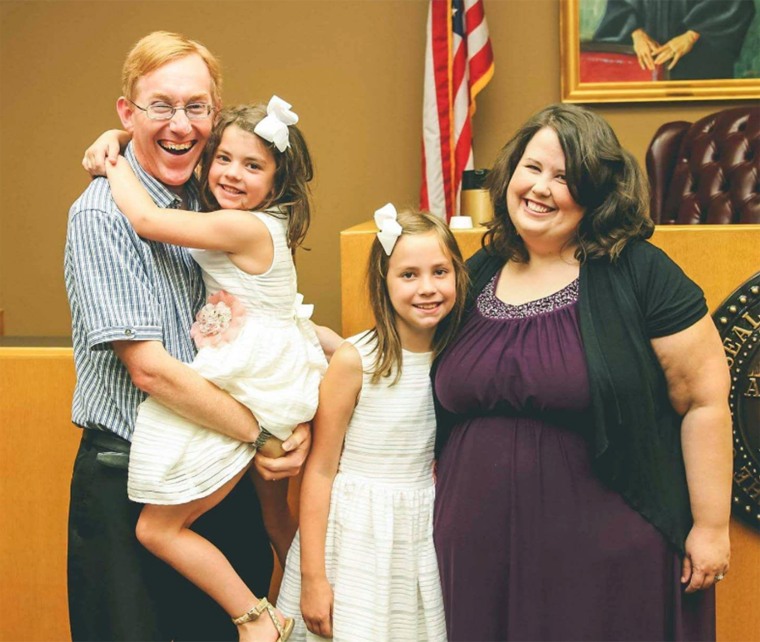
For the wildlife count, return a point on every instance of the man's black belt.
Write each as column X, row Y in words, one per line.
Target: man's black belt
column 106, row 440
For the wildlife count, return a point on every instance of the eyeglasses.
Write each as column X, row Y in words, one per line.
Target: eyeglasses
column 164, row 111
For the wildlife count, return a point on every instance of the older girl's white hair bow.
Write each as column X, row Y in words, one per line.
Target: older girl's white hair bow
column 274, row 126
column 387, row 223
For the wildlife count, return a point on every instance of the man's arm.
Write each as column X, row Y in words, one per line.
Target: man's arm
column 182, row 389
column 117, row 291
column 179, row 387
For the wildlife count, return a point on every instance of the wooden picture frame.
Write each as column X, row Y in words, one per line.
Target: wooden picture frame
column 580, row 86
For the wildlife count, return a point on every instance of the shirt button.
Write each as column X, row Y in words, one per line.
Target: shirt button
column 128, row 332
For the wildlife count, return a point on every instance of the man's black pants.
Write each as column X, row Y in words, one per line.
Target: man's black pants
column 120, row 591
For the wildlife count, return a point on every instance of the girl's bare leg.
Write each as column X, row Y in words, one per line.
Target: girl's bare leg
column 279, row 521
column 165, row 532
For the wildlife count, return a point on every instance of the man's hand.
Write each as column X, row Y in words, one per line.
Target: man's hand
column 296, row 449
column 272, row 448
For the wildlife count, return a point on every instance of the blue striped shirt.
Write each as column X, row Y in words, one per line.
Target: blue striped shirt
column 122, row 287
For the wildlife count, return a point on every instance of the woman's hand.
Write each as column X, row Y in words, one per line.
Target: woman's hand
column 675, row 49
column 708, row 554
column 105, row 149
column 317, row 606
column 296, row 449
column 645, row 48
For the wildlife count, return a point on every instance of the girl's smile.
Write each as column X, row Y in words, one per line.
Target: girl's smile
column 241, row 176
column 421, row 286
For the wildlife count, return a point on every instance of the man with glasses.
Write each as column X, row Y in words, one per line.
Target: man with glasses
column 132, row 305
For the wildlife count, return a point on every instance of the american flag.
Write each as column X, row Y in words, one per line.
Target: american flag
column 458, row 64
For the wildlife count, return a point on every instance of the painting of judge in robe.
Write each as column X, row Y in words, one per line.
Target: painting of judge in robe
column 651, row 40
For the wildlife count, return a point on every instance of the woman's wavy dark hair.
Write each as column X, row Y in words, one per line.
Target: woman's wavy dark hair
column 291, row 177
column 388, row 356
column 602, row 177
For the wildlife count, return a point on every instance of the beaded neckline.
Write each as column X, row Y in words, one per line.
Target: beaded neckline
column 490, row 306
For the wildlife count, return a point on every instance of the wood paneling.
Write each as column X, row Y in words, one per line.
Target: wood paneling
column 738, row 595
column 37, row 451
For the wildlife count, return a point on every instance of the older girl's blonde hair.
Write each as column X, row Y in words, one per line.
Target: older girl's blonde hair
column 387, row 350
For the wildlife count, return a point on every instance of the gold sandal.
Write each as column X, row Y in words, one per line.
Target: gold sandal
column 264, row 606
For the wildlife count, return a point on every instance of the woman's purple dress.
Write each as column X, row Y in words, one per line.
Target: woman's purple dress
column 531, row 545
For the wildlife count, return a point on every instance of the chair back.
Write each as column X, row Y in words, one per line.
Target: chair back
column 707, row 171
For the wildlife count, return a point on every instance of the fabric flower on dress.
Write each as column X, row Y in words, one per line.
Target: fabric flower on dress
column 219, row 321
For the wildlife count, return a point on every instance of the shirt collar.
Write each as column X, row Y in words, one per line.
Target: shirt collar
column 160, row 193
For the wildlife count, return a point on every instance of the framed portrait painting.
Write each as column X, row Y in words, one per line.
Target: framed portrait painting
column 659, row 50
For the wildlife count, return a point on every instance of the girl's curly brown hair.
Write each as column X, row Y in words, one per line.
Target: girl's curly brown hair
column 388, row 355
column 292, row 175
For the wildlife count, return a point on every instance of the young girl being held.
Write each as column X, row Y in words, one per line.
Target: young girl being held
column 254, row 341
column 367, row 567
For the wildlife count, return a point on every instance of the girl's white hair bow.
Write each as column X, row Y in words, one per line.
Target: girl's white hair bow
column 387, row 223
column 274, row 126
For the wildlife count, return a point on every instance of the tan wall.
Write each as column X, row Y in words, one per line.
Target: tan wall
column 352, row 69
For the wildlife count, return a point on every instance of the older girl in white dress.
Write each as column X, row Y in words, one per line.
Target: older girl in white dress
column 363, row 566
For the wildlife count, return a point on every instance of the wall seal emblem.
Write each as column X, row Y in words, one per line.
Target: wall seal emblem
column 738, row 321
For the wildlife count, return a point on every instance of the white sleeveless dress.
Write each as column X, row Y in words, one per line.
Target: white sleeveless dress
column 379, row 551
column 273, row 367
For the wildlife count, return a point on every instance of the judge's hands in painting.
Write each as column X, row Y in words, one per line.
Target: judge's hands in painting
column 651, row 54
column 675, row 49
column 644, row 47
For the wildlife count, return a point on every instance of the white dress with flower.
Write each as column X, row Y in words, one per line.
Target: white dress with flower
column 273, row 366
column 379, row 554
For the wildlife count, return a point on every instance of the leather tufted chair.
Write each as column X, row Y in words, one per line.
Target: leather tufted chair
column 708, row 171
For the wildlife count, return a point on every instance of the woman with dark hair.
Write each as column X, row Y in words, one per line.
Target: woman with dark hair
column 584, row 441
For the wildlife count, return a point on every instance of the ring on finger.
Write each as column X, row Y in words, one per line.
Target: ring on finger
column 719, row 577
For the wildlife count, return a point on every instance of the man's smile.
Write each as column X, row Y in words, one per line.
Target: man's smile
column 178, row 149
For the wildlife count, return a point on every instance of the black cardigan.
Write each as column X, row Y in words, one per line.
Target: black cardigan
column 637, row 435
